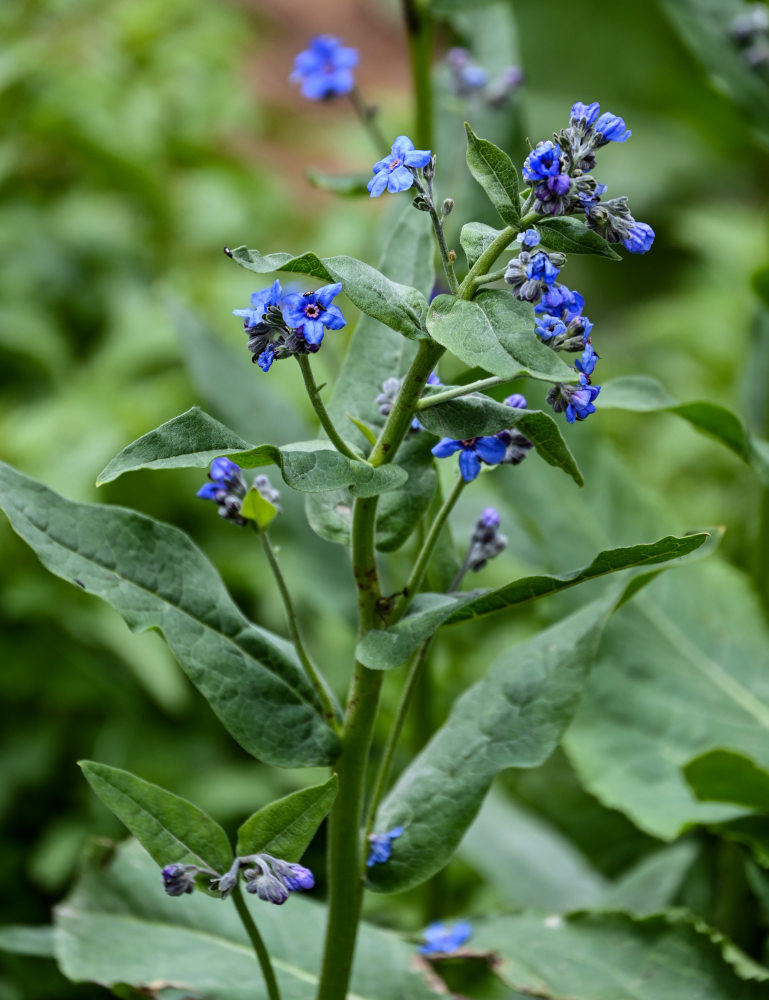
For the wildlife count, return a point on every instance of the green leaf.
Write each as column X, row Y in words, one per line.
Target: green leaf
column 654, row 882
column 513, row 717
column 346, row 185
column 495, row 332
column 258, row 509
column 642, row 394
column 528, row 862
column 383, row 649
column 475, row 415
column 18, row 940
column 400, row 307
column 365, row 430
column 118, row 926
column 194, row 439
column 700, row 638
column 286, row 827
column 250, row 677
column 399, row 510
column 616, row 956
column 169, row 828
column 497, row 175
column 726, row 776
column 475, row 238
column 569, row 235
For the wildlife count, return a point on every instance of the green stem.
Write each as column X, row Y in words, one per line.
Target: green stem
column 425, row 553
column 440, row 236
column 420, row 37
column 463, row 390
column 486, row 279
column 256, row 940
column 317, row 404
column 414, row 671
column 489, row 256
column 367, row 116
column 316, row 678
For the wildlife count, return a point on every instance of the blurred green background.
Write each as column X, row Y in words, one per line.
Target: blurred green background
column 139, row 137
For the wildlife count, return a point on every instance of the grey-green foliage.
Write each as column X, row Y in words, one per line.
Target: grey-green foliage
column 118, row 926
column 250, row 677
column 570, row 235
column 386, row 648
column 497, row 175
column 284, row 828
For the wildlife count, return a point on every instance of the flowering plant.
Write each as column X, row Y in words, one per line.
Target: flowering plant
column 426, row 376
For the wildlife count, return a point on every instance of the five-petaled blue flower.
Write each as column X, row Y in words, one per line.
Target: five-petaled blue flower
column 581, row 404
column 260, row 303
column 310, row 313
column 443, row 938
column 472, row 451
column 542, row 162
column 395, row 172
column 325, row 69
column 381, row 846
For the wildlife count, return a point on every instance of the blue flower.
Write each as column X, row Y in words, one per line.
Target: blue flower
column 473, row 451
column 226, row 472
column 227, row 489
column 562, row 301
column 549, row 326
column 639, row 239
column 529, row 238
column 266, row 358
column 585, row 113
column 260, row 303
column 611, row 128
column 542, row 162
column 581, row 404
column 443, row 938
column 325, row 69
column 381, row 846
column 310, row 313
column 517, row 401
column 541, row 268
column 586, row 364
column 302, row 878
column 178, row 879
column 395, row 172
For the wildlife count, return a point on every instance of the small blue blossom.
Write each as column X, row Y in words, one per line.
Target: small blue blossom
column 395, row 173
column 611, row 128
column 260, row 303
column 549, row 326
column 541, row 268
column 581, row 405
column 381, row 846
column 472, row 452
column 227, row 489
column 443, row 938
column 325, row 69
column 584, row 113
column 562, row 301
column 586, row 364
column 639, row 239
column 529, row 238
column 266, row 358
column 517, row 401
column 309, row 314
column 542, row 162
column 302, row 878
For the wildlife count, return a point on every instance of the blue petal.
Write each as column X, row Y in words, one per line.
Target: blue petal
column 470, row 464
column 490, row 449
column 399, row 180
column 333, row 319
column 313, row 331
column 209, row 491
column 383, row 164
column 446, row 447
column 401, row 146
column 417, row 158
column 378, row 183
column 222, row 468
column 324, row 295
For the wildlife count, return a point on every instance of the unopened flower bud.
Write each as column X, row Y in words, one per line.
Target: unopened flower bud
column 268, row 887
column 178, row 879
column 447, row 207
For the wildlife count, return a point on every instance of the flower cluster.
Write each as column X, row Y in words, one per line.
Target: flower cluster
column 468, row 79
column 325, row 69
column 381, row 846
column 280, row 324
column 750, row 30
column 506, row 447
column 486, row 541
column 398, row 171
column 269, row 878
column 558, row 171
column 443, row 939
column 228, row 489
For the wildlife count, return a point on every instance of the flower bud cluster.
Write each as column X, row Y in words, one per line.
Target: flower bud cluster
column 281, row 324
column 228, row 490
column 486, row 541
column 269, row 878
column 469, row 80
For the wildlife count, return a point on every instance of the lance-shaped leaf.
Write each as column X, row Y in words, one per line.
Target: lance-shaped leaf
column 383, row 649
column 495, row 332
column 643, row 394
column 169, row 828
column 496, row 173
column 475, row 238
column 400, row 307
column 616, row 956
column 193, row 439
column 570, row 235
column 118, row 926
column 155, row 577
column 475, row 415
column 286, row 827
column 513, row 717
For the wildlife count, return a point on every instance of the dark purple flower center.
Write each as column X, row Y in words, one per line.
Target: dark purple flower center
column 312, row 310
column 469, row 442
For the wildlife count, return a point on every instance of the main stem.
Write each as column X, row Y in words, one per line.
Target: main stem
column 273, row 992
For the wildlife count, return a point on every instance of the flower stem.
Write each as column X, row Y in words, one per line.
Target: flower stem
column 322, row 413
column 440, row 236
column 425, row 553
column 420, row 37
column 255, row 937
column 489, row 256
column 458, row 391
column 367, row 115
column 331, row 710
